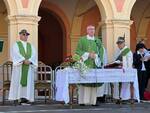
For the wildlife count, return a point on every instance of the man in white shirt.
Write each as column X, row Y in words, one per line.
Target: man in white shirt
column 125, row 58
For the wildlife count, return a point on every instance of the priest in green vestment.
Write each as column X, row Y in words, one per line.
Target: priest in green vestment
column 24, row 59
column 92, row 52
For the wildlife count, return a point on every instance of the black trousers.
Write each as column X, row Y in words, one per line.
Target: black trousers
column 148, row 77
column 142, row 79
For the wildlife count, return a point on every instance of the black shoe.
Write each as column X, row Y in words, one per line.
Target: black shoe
column 24, row 100
column 118, row 102
column 101, row 99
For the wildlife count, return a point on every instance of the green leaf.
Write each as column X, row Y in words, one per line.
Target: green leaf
column 76, row 57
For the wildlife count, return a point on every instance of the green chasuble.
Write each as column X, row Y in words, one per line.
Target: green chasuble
column 85, row 45
column 25, row 68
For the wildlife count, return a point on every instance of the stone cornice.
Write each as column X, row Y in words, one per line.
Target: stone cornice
column 106, row 23
column 116, row 23
column 122, row 22
column 23, row 19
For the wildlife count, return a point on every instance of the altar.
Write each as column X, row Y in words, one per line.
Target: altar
column 68, row 76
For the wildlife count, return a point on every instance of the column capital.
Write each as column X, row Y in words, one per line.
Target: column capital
column 23, row 19
column 122, row 22
column 106, row 23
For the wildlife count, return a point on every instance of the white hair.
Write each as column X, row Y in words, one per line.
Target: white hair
column 90, row 26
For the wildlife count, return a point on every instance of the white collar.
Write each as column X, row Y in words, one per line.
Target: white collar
column 138, row 52
column 90, row 38
column 23, row 42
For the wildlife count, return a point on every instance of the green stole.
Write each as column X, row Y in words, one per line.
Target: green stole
column 25, row 68
column 123, row 53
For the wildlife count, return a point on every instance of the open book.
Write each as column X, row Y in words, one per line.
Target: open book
column 147, row 56
column 115, row 64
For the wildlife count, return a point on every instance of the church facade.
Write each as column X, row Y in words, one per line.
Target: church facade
column 56, row 25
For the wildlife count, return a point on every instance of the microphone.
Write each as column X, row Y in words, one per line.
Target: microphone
column 98, row 47
column 97, row 44
column 96, row 41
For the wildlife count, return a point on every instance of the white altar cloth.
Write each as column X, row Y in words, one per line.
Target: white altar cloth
column 68, row 76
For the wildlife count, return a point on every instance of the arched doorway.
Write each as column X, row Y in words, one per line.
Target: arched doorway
column 60, row 43
column 50, row 40
column 74, row 16
column 141, row 22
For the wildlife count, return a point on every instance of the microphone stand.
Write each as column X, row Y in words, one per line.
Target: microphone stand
column 98, row 48
column 101, row 66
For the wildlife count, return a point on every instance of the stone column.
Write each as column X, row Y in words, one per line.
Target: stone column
column 18, row 22
column 75, row 33
column 111, row 30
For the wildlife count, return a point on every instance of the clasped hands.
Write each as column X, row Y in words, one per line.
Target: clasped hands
column 92, row 55
column 27, row 62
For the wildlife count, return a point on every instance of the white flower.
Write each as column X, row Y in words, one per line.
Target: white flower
column 83, row 69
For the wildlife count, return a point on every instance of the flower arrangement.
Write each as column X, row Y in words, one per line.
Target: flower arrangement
column 80, row 65
column 76, row 62
column 68, row 62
